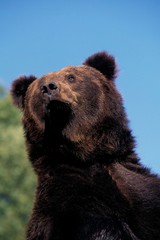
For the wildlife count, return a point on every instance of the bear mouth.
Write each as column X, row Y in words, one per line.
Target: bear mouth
column 57, row 115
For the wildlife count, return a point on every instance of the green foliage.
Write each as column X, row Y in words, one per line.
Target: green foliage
column 17, row 181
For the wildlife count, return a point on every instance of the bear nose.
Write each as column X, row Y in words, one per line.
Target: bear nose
column 49, row 88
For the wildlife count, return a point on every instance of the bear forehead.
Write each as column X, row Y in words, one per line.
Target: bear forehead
column 80, row 72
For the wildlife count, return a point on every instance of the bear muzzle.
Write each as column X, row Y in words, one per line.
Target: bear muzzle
column 57, row 109
column 49, row 90
column 60, row 91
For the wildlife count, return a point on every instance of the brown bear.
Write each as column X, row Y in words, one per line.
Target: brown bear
column 91, row 184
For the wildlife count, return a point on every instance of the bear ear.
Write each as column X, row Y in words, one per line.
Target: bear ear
column 19, row 88
column 104, row 63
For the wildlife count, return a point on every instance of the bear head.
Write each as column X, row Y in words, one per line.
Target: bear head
column 77, row 107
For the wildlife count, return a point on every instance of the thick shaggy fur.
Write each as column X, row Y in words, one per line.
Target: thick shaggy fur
column 91, row 185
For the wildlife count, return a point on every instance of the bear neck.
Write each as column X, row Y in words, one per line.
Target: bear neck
column 106, row 147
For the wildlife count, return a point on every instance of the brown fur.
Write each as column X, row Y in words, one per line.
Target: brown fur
column 90, row 182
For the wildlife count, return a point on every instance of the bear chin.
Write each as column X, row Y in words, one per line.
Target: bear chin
column 58, row 114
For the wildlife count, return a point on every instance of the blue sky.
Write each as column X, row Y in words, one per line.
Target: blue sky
column 37, row 37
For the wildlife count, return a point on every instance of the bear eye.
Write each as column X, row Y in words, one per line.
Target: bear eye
column 71, row 78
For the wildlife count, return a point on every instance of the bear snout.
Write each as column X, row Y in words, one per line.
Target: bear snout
column 49, row 88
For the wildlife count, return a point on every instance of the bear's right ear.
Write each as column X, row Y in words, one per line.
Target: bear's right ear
column 19, row 88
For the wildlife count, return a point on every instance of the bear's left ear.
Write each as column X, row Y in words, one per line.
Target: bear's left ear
column 19, row 88
column 104, row 63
